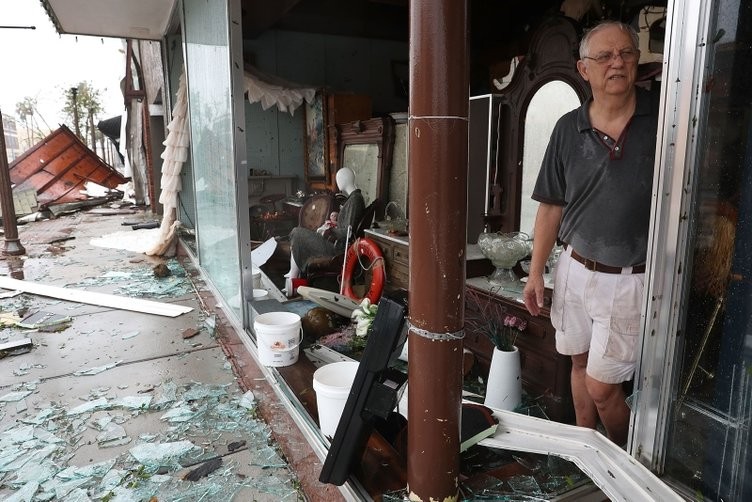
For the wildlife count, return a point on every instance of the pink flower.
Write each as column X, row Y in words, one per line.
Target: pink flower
column 512, row 321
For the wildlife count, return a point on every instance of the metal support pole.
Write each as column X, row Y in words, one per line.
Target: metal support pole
column 12, row 245
column 437, row 167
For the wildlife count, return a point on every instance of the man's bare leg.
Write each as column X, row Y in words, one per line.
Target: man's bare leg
column 612, row 408
column 585, row 410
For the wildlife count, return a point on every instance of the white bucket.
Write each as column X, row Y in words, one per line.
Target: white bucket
column 256, row 274
column 278, row 337
column 332, row 384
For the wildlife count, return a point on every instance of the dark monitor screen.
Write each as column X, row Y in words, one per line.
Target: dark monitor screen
column 375, row 392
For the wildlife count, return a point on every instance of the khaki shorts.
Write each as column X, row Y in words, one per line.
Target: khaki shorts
column 598, row 313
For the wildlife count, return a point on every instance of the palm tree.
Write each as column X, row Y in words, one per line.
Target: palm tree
column 82, row 104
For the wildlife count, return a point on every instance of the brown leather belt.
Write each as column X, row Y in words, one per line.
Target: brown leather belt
column 606, row 269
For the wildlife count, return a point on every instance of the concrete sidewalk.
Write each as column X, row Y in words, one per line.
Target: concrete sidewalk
column 119, row 405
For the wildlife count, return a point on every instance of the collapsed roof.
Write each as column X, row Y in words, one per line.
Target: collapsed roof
column 58, row 167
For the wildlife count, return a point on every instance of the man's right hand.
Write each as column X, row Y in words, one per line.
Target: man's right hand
column 547, row 221
column 532, row 295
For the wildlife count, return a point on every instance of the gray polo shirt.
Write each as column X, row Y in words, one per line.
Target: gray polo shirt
column 604, row 184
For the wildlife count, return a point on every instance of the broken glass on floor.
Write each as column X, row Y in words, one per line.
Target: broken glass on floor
column 143, row 283
column 37, row 451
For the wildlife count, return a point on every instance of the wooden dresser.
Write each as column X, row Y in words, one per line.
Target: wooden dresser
column 545, row 373
column 395, row 250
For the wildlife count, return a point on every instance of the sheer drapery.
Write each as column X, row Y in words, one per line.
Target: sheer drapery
column 174, row 155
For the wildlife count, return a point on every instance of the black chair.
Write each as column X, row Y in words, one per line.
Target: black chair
column 323, row 271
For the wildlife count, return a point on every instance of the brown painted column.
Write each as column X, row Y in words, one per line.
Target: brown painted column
column 12, row 244
column 437, row 167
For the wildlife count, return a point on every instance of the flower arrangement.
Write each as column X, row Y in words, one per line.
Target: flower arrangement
column 493, row 320
column 364, row 317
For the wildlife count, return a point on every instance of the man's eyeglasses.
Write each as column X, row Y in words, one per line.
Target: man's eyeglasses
column 626, row 55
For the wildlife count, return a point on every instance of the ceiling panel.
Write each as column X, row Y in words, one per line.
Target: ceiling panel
column 142, row 19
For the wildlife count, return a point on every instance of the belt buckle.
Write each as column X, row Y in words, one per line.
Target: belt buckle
column 590, row 264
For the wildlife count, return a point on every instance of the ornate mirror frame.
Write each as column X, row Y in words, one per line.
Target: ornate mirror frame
column 376, row 131
column 552, row 56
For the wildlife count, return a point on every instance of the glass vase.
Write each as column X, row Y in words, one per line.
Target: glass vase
column 504, row 250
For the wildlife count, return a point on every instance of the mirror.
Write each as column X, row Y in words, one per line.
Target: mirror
column 363, row 159
column 398, row 172
column 545, row 85
column 365, row 146
column 547, row 105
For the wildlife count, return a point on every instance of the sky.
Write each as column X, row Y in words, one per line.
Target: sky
column 42, row 64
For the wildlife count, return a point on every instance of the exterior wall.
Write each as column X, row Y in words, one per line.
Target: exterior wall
column 150, row 58
column 136, row 153
column 146, row 133
column 12, row 143
column 274, row 140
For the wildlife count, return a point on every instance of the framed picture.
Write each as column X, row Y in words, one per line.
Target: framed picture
column 315, row 140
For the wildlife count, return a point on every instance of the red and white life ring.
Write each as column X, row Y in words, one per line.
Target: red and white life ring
column 368, row 248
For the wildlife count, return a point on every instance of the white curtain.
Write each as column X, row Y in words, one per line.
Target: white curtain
column 273, row 91
column 174, row 155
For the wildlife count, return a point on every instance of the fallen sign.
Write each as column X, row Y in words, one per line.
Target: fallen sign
column 94, row 298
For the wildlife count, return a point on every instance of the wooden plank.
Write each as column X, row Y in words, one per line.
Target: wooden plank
column 95, row 298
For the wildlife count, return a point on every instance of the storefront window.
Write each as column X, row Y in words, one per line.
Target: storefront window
column 708, row 435
column 209, row 97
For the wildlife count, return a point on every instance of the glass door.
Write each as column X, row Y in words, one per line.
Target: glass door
column 207, row 38
column 694, row 405
column 708, row 430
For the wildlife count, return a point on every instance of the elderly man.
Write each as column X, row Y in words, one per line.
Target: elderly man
column 594, row 190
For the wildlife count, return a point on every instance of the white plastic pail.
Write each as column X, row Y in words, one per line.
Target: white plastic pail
column 278, row 337
column 332, row 384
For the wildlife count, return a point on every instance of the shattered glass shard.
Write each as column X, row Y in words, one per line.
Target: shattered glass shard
column 89, row 406
column 133, row 402
column 113, row 435
column 97, row 369
column 13, row 397
column 163, row 454
column 266, row 457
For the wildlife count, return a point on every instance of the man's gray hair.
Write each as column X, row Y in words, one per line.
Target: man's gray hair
column 585, row 42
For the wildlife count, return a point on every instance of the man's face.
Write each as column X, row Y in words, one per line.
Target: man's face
column 611, row 63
